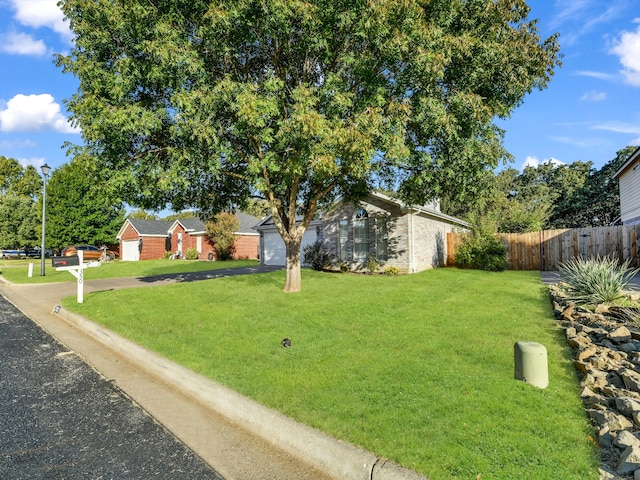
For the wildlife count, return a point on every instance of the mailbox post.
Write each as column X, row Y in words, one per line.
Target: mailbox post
column 75, row 266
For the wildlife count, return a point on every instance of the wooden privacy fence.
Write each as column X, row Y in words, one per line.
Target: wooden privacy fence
column 548, row 249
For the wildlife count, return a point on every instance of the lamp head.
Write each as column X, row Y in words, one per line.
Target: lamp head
column 45, row 169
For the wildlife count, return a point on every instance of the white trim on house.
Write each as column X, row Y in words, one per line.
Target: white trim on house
column 629, row 182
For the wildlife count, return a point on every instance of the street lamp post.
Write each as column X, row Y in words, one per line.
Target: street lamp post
column 45, row 172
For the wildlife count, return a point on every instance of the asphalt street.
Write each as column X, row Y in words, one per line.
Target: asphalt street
column 60, row 419
column 73, row 407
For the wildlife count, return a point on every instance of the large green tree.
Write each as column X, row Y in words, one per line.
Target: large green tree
column 19, row 216
column 79, row 210
column 597, row 203
column 18, row 180
column 19, row 222
column 204, row 103
column 548, row 196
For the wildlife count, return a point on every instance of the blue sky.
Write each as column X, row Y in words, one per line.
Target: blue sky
column 590, row 110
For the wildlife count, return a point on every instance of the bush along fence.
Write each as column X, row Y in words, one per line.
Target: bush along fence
column 548, row 249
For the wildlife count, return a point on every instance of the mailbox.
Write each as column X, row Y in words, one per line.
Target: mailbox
column 71, row 261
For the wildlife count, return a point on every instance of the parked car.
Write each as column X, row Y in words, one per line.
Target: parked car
column 89, row 252
column 35, row 252
column 12, row 253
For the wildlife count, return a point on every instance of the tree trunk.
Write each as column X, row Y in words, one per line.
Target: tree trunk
column 293, row 280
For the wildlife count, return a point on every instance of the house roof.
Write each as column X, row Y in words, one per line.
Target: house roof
column 429, row 210
column 424, row 210
column 146, row 228
column 247, row 222
column 268, row 223
column 634, row 156
column 194, row 226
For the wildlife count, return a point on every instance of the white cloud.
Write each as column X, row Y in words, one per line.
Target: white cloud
column 580, row 142
column 41, row 13
column 534, row 162
column 583, row 16
column 34, row 161
column 34, row 113
column 16, row 43
column 598, row 75
column 627, row 47
column 619, row 127
column 593, row 96
column 568, row 11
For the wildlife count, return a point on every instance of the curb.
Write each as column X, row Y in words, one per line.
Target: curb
column 335, row 457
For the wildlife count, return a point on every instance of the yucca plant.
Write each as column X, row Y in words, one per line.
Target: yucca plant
column 593, row 281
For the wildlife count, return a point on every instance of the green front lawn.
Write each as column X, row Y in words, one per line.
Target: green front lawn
column 416, row 368
column 17, row 271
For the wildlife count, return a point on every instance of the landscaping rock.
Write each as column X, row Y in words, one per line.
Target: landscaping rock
column 631, row 379
column 607, row 356
column 610, row 419
column 587, row 352
column 620, row 335
column 626, row 439
column 607, row 474
column 627, row 406
column 629, row 461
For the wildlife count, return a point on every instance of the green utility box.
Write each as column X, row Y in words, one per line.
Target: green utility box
column 530, row 360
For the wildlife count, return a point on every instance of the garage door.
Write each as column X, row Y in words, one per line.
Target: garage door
column 274, row 252
column 130, row 251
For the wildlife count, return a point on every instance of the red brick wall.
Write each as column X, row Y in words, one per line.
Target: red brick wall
column 189, row 241
column 128, row 234
column 152, row 248
column 247, row 246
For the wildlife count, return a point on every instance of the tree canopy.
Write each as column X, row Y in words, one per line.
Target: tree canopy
column 204, row 104
column 79, row 210
column 19, row 188
column 16, row 180
column 548, row 196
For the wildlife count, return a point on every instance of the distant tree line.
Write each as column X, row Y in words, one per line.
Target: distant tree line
column 547, row 196
column 78, row 209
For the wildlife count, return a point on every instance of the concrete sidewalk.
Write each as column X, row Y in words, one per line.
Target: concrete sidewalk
column 239, row 438
column 60, row 419
column 234, row 452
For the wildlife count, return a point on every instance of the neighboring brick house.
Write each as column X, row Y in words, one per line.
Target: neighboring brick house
column 629, row 179
column 410, row 238
column 143, row 239
column 150, row 239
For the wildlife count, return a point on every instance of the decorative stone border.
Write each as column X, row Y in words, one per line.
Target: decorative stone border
column 607, row 356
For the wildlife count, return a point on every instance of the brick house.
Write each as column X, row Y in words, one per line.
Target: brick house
column 150, row 239
column 410, row 238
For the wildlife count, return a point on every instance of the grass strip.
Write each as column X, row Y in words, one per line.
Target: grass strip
column 16, row 271
column 416, row 368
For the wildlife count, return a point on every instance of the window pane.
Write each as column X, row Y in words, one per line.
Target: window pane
column 343, row 238
column 361, row 235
